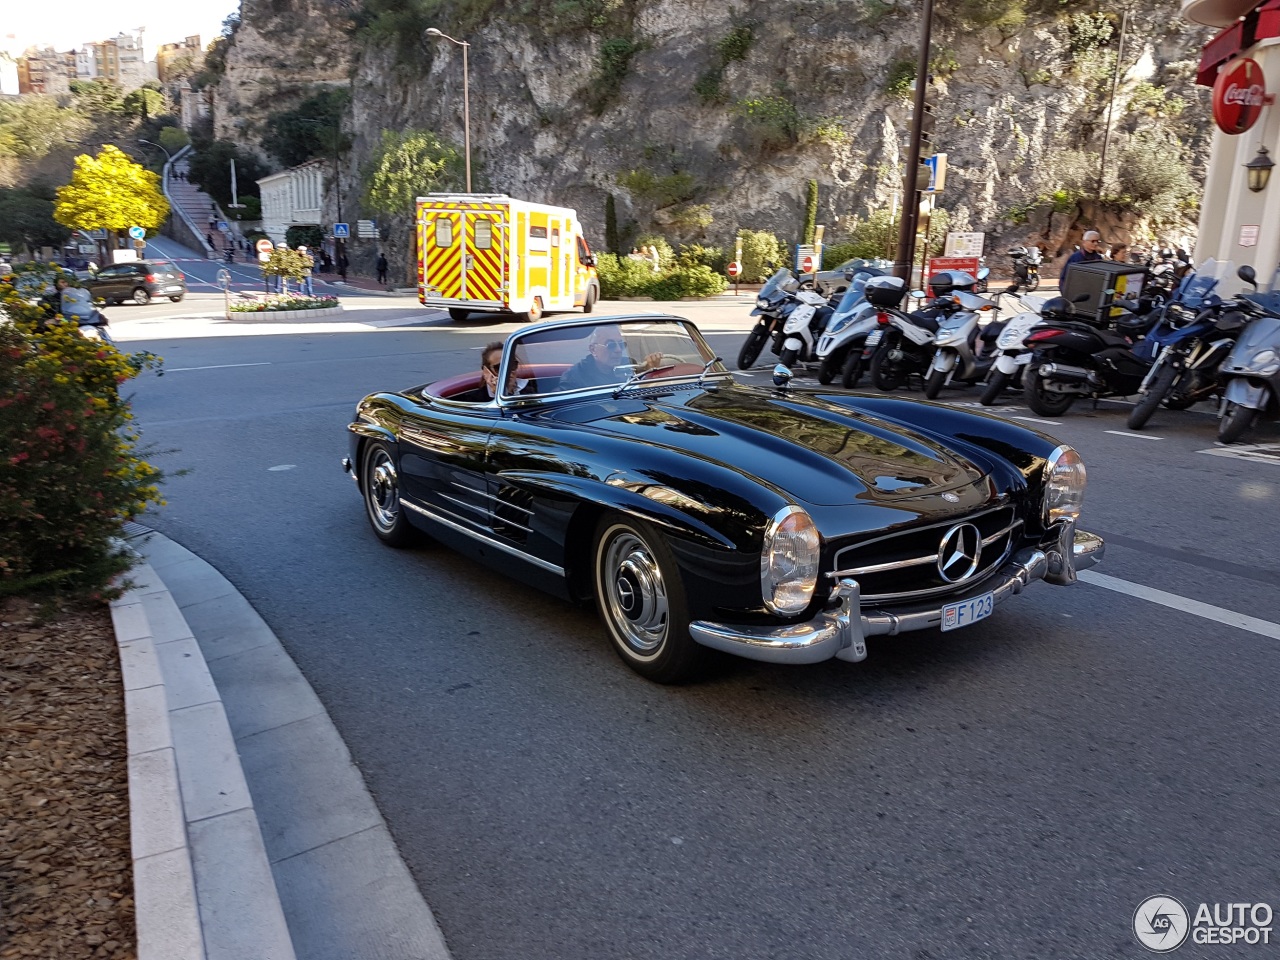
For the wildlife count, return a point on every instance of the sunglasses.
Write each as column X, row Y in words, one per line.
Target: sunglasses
column 493, row 367
column 611, row 344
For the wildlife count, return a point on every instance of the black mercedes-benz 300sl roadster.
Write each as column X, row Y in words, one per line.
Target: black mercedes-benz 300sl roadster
column 621, row 461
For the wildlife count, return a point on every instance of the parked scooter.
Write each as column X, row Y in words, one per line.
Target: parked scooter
column 1011, row 352
column 1251, row 373
column 1026, row 266
column 1195, row 333
column 802, row 328
column 76, row 304
column 964, row 345
column 841, row 344
column 774, row 304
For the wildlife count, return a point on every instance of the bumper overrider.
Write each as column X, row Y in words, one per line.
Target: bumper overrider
column 841, row 630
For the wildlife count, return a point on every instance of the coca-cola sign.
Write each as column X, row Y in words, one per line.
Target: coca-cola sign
column 1239, row 94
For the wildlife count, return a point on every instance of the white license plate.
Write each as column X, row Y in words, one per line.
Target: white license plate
column 957, row 615
column 174, row 289
column 874, row 337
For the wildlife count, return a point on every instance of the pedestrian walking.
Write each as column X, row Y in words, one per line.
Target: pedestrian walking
column 382, row 268
column 307, row 287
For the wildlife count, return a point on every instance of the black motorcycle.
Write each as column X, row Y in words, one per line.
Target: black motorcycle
column 1026, row 266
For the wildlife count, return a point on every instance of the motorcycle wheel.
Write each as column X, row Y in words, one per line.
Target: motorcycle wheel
column 886, row 374
column 1164, row 382
column 750, row 351
column 1040, row 400
column 1181, row 397
column 788, row 357
column 933, row 384
column 830, row 366
column 1236, row 422
column 1033, row 283
column 852, row 371
column 995, row 387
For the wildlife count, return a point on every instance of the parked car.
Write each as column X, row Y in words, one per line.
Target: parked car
column 140, row 281
column 698, row 513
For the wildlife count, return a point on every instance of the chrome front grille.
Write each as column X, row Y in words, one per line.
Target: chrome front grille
column 903, row 565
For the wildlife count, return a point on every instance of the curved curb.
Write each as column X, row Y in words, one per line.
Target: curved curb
column 273, row 315
column 202, row 883
column 315, row 869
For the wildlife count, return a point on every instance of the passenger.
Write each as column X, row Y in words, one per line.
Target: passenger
column 490, row 364
column 606, row 352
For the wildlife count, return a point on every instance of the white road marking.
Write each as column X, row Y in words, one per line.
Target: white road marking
column 1135, row 436
column 218, row 366
column 1208, row 611
column 1052, row 423
column 1254, row 452
column 283, row 466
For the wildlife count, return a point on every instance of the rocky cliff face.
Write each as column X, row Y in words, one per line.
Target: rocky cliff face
column 682, row 110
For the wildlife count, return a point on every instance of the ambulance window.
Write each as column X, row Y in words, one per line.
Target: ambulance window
column 539, row 233
column 444, row 232
column 555, row 236
column 484, row 234
column 583, row 252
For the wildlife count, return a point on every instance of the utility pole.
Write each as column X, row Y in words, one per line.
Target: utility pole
column 1115, row 82
column 910, row 193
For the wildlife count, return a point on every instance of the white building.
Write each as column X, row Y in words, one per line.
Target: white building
column 291, row 198
column 1240, row 220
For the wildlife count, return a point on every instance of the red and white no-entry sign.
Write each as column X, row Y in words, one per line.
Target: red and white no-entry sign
column 733, row 269
column 265, row 245
column 806, row 263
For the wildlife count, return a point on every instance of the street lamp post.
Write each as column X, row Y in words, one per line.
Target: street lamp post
column 466, row 101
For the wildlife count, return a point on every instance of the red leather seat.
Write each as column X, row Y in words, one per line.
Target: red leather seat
column 452, row 386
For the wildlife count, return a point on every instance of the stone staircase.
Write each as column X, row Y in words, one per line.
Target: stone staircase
column 203, row 211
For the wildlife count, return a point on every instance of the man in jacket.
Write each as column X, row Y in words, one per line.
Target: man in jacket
column 1090, row 250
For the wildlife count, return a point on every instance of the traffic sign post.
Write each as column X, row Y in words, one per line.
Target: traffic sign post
column 806, row 259
column 224, row 281
column 341, row 231
column 734, row 270
column 137, row 233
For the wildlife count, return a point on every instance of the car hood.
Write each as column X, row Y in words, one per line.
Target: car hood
column 817, row 451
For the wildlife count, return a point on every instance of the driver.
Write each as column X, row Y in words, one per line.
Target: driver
column 606, row 351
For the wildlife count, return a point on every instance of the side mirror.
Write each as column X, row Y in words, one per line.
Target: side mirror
column 1247, row 274
column 589, row 260
column 917, row 294
column 781, row 376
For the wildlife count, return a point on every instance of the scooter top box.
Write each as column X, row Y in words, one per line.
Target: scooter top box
column 1099, row 282
column 885, row 291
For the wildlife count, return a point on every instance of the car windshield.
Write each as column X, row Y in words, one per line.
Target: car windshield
column 561, row 359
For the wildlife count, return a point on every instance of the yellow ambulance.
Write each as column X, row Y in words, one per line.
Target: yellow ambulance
column 482, row 253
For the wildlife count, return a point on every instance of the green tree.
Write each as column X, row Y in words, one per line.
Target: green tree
column 31, row 126
column 404, row 167
column 97, row 99
column 144, row 103
column 173, row 139
column 810, row 212
column 110, row 192
column 610, row 224
column 26, row 220
column 209, row 166
column 311, row 130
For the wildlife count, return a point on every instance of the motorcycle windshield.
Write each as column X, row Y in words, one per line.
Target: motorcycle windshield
column 1196, row 289
column 772, row 288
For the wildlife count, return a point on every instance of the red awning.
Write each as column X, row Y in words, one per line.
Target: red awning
column 1259, row 24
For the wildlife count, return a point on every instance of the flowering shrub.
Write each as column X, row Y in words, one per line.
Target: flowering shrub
column 69, row 470
column 283, row 301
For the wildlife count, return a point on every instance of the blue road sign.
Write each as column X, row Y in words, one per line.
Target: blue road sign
column 137, row 233
column 342, row 230
column 222, row 226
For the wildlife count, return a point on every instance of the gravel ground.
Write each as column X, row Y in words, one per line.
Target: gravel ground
column 66, row 882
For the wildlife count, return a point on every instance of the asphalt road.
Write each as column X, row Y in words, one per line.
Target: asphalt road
column 1010, row 791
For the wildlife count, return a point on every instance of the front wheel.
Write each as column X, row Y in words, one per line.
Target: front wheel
column 141, row 297
column 641, row 600
column 995, row 387
column 830, row 367
column 750, row 351
column 534, row 313
column 852, row 371
column 933, row 383
column 1158, row 390
column 1033, row 283
column 380, row 483
column 457, row 313
column 788, row 357
column 177, row 299
column 886, row 374
column 1043, row 401
column 1236, row 422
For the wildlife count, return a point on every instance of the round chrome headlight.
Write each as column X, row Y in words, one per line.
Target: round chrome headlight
column 789, row 561
column 1064, row 483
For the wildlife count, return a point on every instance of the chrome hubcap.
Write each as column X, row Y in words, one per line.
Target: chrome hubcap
column 635, row 595
column 383, row 490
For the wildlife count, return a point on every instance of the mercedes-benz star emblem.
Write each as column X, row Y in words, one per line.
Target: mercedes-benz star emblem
column 960, row 552
column 626, row 594
column 950, row 497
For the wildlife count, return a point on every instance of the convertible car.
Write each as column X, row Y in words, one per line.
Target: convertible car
column 699, row 513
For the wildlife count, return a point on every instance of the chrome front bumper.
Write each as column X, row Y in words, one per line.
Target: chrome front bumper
column 841, row 631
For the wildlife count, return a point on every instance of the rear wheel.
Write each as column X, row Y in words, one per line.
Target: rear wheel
column 457, row 313
column 886, row 374
column 1033, row 283
column 1164, row 381
column 1041, row 400
column 641, row 600
column 177, row 299
column 750, row 351
column 589, row 304
column 534, row 313
column 1236, row 422
column 141, row 297
column 380, row 484
column 852, row 372
column 995, row 387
